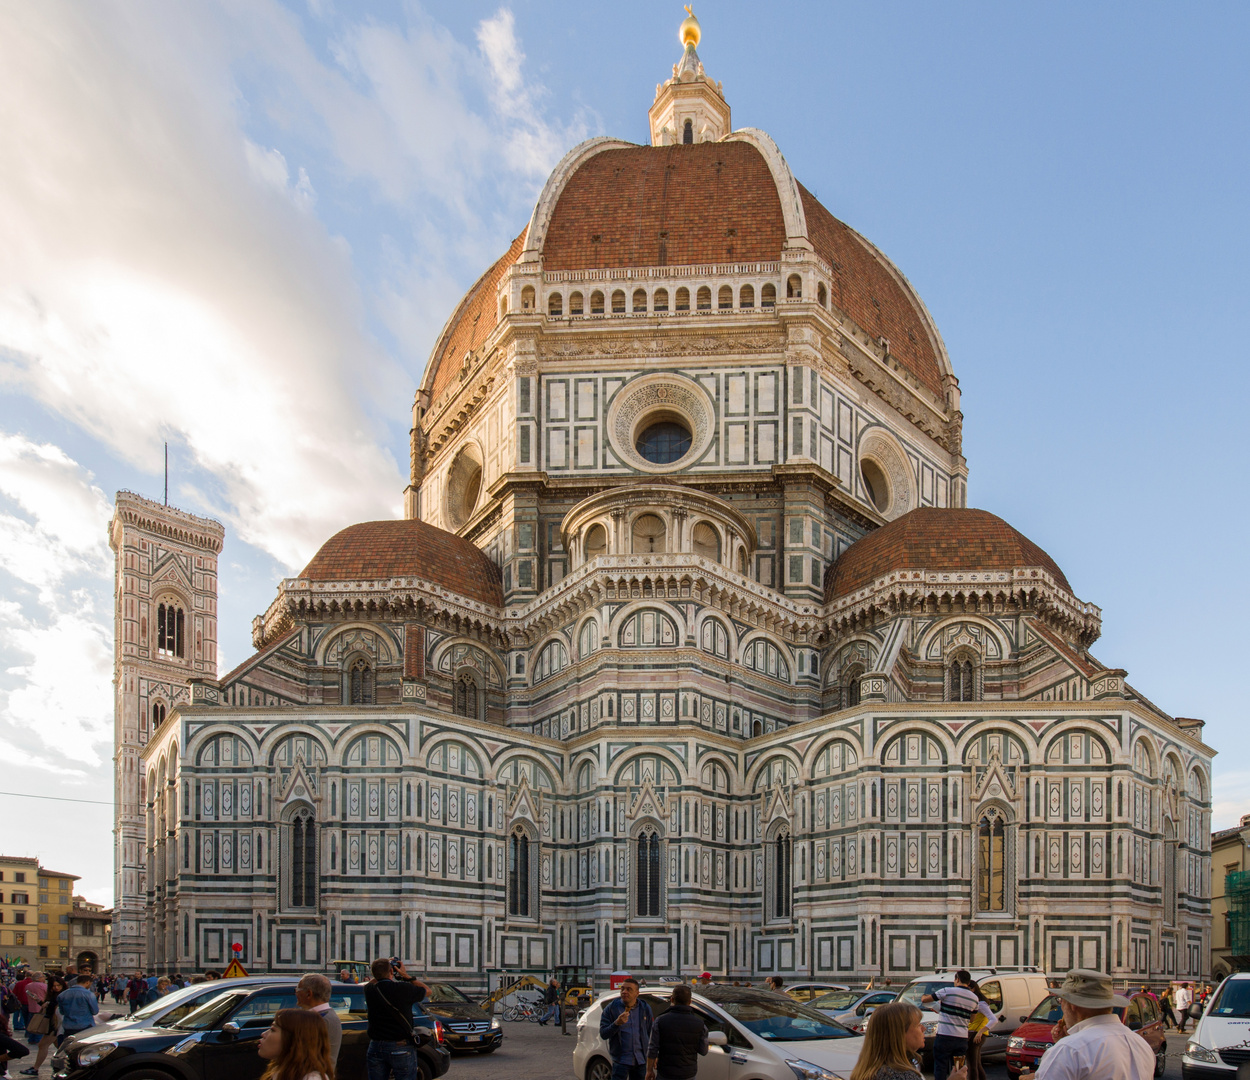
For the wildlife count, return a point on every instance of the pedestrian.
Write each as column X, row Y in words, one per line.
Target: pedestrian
column 1165, row 1006
column 978, row 1027
column 892, row 1041
column 36, row 991
column 297, row 1047
column 774, row 983
column 1096, row 1045
column 705, row 979
column 19, row 992
column 312, row 992
column 56, row 986
column 551, row 998
column 956, row 1005
column 1184, row 998
column 163, row 985
column 78, row 1008
column 678, row 1040
column 626, row 1025
column 392, row 1040
column 136, row 988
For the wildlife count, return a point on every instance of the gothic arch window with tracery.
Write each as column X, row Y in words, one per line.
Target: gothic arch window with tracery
column 851, row 691
column 301, row 860
column 961, row 675
column 360, row 683
column 466, row 696
column 992, row 862
column 648, row 874
column 780, row 872
column 170, row 630
column 522, row 862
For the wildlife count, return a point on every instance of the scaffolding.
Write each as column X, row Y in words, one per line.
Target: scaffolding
column 1237, row 896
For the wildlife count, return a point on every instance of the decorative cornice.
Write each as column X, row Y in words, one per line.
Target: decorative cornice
column 168, row 521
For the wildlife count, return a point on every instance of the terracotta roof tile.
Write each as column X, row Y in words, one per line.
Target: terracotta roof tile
column 473, row 321
column 667, row 206
column 384, row 549
column 869, row 293
column 928, row 538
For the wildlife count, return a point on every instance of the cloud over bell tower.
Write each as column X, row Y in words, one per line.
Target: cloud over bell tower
column 689, row 107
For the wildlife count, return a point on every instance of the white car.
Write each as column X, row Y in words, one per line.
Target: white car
column 752, row 1033
column 1220, row 1044
column 852, row 1008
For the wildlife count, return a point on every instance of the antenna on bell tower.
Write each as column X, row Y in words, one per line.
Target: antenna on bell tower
column 167, row 474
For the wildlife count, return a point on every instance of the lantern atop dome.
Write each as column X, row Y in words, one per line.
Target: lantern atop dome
column 689, row 107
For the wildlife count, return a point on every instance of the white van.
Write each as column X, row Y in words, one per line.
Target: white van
column 1221, row 1041
column 1012, row 993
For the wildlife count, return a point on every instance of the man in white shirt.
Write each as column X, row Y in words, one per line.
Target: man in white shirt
column 956, row 1004
column 1098, row 1045
column 1184, row 998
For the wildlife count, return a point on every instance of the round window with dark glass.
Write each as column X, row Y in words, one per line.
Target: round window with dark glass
column 664, row 442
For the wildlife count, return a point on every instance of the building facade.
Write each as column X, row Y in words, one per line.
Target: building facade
column 90, row 934
column 688, row 654
column 19, row 906
column 56, row 902
column 1230, row 899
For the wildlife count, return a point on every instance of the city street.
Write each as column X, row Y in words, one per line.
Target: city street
column 530, row 1052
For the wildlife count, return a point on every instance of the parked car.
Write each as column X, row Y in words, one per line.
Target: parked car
column 758, row 1032
column 1012, row 993
column 1033, row 1037
column 851, row 1008
column 467, row 1026
column 220, row 1039
column 805, row 991
column 173, row 1006
column 1219, row 1046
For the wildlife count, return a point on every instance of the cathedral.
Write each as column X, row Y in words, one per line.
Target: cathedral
column 688, row 654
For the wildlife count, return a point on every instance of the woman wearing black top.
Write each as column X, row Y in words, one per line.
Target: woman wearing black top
column 55, row 985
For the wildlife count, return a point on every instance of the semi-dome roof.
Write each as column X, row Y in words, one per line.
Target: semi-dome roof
column 375, row 550
column 614, row 205
column 928, row 538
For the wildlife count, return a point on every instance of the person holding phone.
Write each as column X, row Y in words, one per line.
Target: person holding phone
column 626, row 1025
column 392, row 1053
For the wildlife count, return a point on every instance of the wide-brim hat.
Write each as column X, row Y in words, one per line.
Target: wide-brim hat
column 1090, row 990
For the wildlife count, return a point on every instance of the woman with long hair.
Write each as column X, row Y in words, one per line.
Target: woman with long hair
column 977, row 1027
column 55, row 985
column 297, row 1047
column 892, row 1042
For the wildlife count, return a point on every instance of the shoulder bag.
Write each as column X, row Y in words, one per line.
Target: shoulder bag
column 407, row 1020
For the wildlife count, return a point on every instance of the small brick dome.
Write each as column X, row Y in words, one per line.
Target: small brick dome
column 375, row 550
column 932, row 539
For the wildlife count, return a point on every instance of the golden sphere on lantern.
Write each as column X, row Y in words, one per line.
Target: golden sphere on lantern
column 689, row 32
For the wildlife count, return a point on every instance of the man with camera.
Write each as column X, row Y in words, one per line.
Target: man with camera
column 389, row 998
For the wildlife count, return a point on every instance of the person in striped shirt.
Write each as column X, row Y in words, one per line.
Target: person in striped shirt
column 956, row 1006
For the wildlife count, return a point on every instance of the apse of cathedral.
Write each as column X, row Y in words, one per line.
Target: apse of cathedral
column 688, row 654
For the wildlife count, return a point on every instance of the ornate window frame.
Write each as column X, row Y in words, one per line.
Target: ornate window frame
column 992, row 811
column 647, row 870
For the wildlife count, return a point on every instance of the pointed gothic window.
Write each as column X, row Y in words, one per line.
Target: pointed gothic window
column 519, row 874
column 303, row 859
column 991, row 862
column 687, row 133
column 647, row 875
column 783, row 862
column 465, row 694
column 360, row 677
column 170, row 625
column 158, row 715
column 962, row 681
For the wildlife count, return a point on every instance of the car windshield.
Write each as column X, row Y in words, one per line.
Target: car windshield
column 208, row 1014
column 921, row 988
column 445, row 993
column 773, row 1017
column 1048, row 1012
column 161, row 1005
column 1233, row 999
column 838, row 999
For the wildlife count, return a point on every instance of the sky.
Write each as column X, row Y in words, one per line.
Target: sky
column 238, row 227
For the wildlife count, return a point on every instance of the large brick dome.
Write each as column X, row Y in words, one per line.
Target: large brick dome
column 614, row 205
column 932, row 539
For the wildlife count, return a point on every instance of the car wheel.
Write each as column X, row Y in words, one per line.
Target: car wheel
column 423, row 1071
column 1161, row 1061
column 150, row 1074
column 598, row 1069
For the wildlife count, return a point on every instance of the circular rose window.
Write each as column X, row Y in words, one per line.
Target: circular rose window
column 664, row 442
column 660, row 423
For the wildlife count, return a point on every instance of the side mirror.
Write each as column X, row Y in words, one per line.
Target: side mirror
column 1134, row 1025
column 1024, row 1019
column 229, row 1031
column 717, row 1038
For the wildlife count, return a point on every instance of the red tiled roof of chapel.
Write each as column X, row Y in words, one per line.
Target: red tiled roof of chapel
column 374, row 550
column 928, row 538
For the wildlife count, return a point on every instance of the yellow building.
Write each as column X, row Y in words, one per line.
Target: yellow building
column 18, row 907
column 56, row 907
column 1230, row 854
column 89, row 934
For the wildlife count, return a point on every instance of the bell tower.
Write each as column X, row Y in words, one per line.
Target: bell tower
column 690, row 107
column 164, row 633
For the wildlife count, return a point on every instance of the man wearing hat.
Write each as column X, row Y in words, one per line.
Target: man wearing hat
column 1097, row 1046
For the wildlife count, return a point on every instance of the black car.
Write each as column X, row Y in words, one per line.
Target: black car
column 220, row 1039
column 466, row 1025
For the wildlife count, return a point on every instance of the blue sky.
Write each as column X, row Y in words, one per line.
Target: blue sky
column 238, row 227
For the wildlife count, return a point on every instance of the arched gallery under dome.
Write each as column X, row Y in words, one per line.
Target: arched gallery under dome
column 689, row 654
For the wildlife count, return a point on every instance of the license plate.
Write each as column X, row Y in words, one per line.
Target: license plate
column 473, row 1038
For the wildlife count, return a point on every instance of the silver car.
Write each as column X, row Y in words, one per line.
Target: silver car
column 851, row 1008
column 751, row 1032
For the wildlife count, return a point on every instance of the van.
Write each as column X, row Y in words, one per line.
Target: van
column 1012, row 993
column 1220, row 1043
